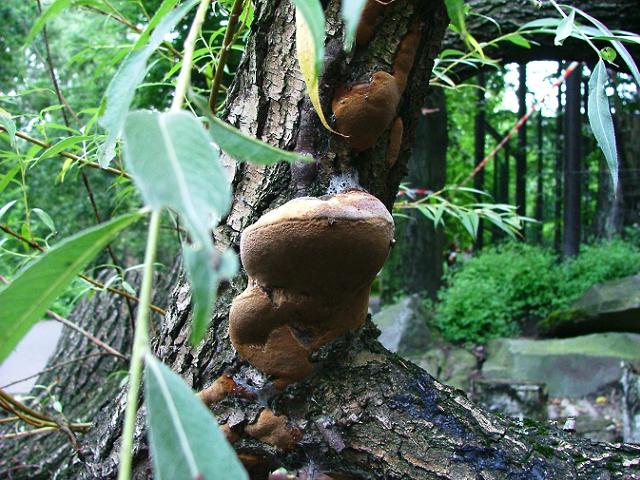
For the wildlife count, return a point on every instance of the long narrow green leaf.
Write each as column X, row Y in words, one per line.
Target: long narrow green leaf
column 241, row 146
column 185, row 440
column 62, row 145
column 601, row 120
column 124, row 83
column 25, row 300
column 620, row 48
column 160, row 13
column 351, row 14
column 311, row 11
column 565, row 28
column 175, row 165
column 8, row 177
column 9, row 125
column 51, row 11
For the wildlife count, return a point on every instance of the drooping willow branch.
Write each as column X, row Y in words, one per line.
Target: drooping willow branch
column 123, row 293
column 70, row 156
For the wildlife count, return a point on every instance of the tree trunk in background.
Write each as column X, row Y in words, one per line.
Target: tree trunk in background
column 630, row 166
column 539, row 215
column 416, row 237
column 572, row 166
column 480, row 139
column 365, row 413
column 557, row 242
column 85, row 388
column 521, row 157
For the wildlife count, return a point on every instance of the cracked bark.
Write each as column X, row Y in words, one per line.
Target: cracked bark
column 366, row 413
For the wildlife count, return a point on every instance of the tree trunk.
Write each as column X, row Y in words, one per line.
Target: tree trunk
column 572, row 156
column 539, row 215
column 365, row 413
column 416, row 236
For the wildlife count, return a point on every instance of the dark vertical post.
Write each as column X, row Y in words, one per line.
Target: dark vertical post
column 521, row 157
column 559, row 168
column 540, row 182
column 505, row 174
column 478, row 180
column 571, row 243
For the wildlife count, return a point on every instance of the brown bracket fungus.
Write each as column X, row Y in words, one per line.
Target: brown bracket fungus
column 274, row 430
column 395, row 141
column 310, row 264
column 369, row 21
column 364, row 111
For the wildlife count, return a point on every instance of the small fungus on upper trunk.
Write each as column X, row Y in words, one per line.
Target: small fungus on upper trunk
column 310, row 264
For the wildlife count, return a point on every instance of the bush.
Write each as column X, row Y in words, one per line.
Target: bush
column 510, row 281
column 493, row 293
column 596, row 264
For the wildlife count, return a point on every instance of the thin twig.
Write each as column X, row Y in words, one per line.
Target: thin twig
column 27, row 433
column 71, row 156
column 54, row 367
column 91, row 337
column 87, row 279
column 229, row 36
column 83, row 174
column 32, row 417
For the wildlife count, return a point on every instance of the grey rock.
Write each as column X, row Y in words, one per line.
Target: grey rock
column 572, row 367
column 403, row 326
column 605, row 307
column 451, row 365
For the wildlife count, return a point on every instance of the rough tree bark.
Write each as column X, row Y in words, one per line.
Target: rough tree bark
column 365, row 413
column 82, row 377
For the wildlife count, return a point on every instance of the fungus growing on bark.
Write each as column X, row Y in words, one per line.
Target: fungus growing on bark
column 310, row 264
column 369, row 21
column 223, row 386
column 406, row 56
column 274, row 430
column 365, row 110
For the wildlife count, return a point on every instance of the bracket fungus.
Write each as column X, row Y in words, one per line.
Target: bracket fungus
column 310, row 265
column 364, row 111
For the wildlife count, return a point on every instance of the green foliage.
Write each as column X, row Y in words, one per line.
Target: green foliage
column 124, row 83
column 492, row 294
column 25, row 300
column 493, row 290
column 597, row 263
column 184, row 437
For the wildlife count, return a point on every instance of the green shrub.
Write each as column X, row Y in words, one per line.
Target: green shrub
column 598, row 263
column 493, row 293
column 502, row 283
